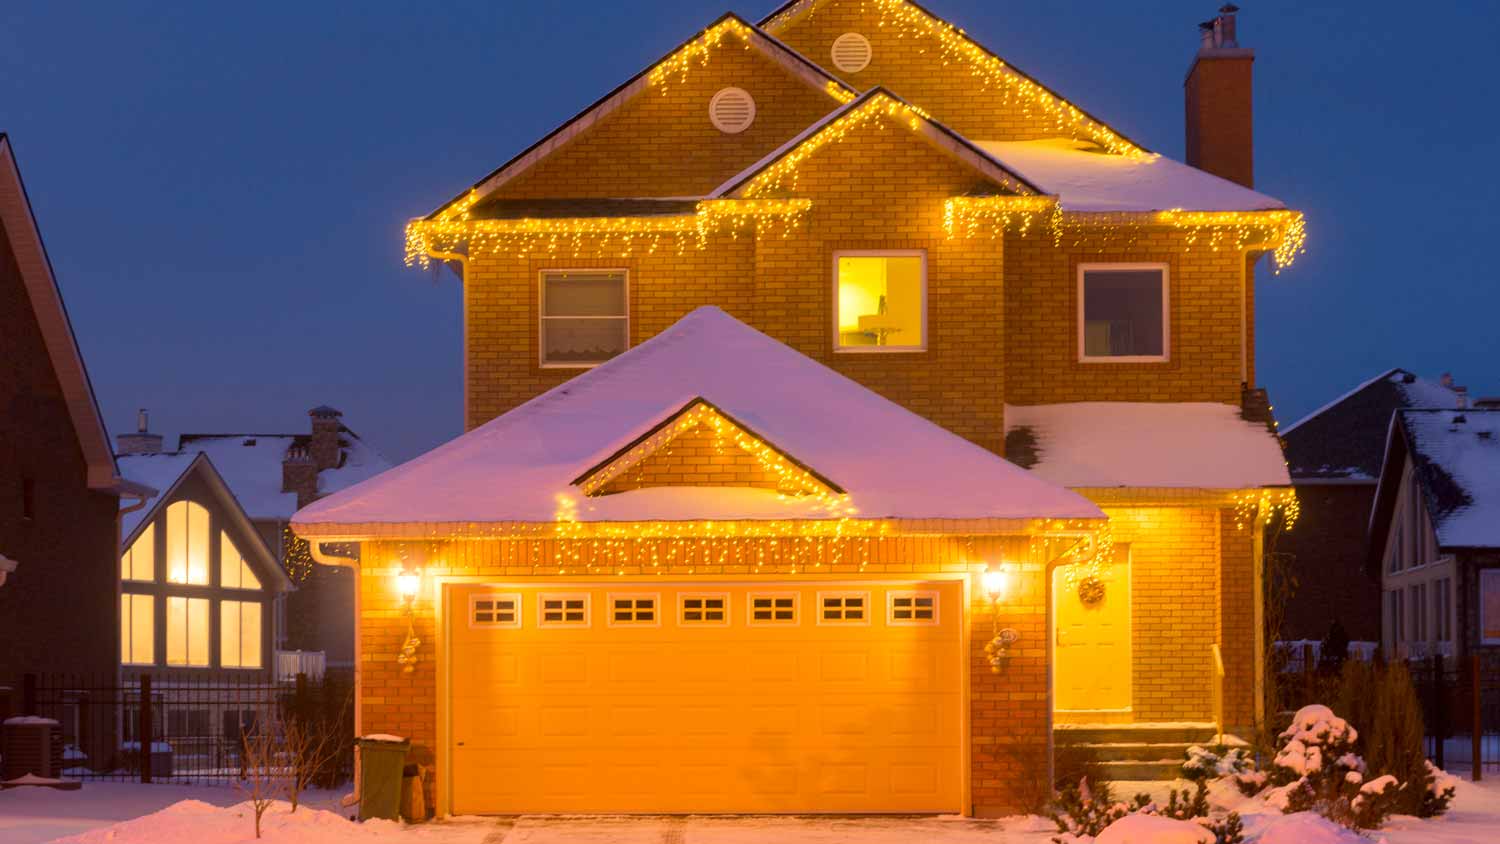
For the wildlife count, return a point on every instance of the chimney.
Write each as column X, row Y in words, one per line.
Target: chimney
column 324, row 445
column 300, row 475
column 1219, row 92
column 1446, row 380
column 140, row 442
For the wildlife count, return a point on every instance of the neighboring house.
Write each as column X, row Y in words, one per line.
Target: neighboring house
column 1335, row 455
column 267, row 477
column 699, row 553
column 1435, row 535
column 59, row 488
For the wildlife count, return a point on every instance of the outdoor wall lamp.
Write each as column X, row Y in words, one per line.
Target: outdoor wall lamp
column 409, row 584
column 7, row 566
column 996, row 584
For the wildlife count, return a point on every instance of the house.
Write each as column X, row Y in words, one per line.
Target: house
column 745, row 344
column 256, row 481
column 1335, row 454
column 59, row 487
column 1435, row 536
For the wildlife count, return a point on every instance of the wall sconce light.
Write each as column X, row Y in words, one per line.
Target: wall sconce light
column 7, row 566
column 409, row 583
column 996, row 583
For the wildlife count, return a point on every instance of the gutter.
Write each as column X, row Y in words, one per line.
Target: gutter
column 463, row 282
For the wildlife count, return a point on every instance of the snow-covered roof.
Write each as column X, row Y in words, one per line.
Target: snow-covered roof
column 1457, row 458
column 1084, row 179
column 893, row 463
column 1345, row 439
column 1153, row 445
column 250, row 465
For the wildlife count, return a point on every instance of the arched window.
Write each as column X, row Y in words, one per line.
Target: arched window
column 187, row 543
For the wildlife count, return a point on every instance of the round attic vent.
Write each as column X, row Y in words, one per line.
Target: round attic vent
column 732, row 110
column 852, row 52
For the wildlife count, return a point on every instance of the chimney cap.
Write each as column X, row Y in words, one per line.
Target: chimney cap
column 323, row 411
column 1229, row 9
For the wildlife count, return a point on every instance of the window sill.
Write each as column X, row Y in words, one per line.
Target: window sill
column 1088, row 360
column 880, row 350
column 576, row 366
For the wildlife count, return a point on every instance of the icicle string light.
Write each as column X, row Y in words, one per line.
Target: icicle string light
column 955, row 47
column 1270, row 503
column 1282, row 232
column 696, row 53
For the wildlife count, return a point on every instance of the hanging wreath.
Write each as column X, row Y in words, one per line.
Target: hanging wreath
column 1090, row 591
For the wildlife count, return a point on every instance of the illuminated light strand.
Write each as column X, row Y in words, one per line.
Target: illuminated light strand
column 1282, row 232
column 782, row 175
column 599, row 236
column 1270, row 503
column 697, row 52
column 792, row 480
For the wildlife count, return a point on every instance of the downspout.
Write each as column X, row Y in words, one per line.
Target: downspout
column 315, row 550
column 463, row 282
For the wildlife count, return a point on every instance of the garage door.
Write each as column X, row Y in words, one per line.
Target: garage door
column 674, row 699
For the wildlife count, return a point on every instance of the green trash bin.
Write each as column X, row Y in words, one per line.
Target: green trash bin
column 381, row 761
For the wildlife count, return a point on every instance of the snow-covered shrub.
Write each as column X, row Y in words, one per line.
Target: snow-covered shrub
column 1384, row 702
column 1317, row 769
column 1087, row 809
column 1203, row 765
column 1439, row 792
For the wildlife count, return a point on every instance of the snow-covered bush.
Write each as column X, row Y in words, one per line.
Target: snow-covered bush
column 1392, row 739
column 1238, row 763
column 1439, row 792
column 1087, row 809
column 1317, row 769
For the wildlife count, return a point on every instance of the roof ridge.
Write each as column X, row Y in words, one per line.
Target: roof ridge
column 1343, row 397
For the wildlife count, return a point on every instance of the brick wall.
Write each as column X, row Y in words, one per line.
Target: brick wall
column 1327, row 553
column 912, row 67
column 695, row 458
column 661, row 142
column 1008, row 712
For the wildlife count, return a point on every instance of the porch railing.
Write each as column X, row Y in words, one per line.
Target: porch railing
column 1218, row 693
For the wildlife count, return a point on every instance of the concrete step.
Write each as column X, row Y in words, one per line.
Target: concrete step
column 1159, row 771
column 1184, row 734
column 1133, row 751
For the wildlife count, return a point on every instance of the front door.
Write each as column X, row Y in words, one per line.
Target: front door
column 1092, row 653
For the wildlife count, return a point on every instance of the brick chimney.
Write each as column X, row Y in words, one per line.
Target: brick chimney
column 299, row 474
column 1219, row 91
column 140, row 442
column 324, row 446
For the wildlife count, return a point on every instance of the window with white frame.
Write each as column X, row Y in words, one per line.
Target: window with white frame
column 911, row 608
column 239, row 634
column 187, row 631
column 137, row 629
column 773, row 609
column 704, row 610
column 843, row 607
column 1122, row 312
column 585, row 317
column 139, row 563
column 881, row 301
column 626, row 610
column 495, row 610
column 563, row 610
column 1489, row 606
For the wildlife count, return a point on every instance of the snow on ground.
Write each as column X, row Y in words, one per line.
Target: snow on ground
column 122, row 813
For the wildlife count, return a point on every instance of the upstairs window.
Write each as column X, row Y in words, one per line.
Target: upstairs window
column 585, row 317
column 881, row 301
column 234, row 569
column 1123, row 312
column 139, row 563
column 187, row 543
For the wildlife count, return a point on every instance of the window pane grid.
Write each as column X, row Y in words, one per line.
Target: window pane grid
column 564, row 610
column 773, row 609
column 705, row 609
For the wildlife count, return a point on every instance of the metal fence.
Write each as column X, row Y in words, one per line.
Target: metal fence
column 177, row 729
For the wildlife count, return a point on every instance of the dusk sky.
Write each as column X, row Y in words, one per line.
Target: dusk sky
column 222, row 187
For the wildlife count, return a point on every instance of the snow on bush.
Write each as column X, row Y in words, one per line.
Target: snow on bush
column 1317, row 769
column 1236, row 763
column 1306, row 828
column 196, row 822
column 1154, row 829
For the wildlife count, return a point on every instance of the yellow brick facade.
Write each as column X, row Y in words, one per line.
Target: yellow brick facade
column 695, row 458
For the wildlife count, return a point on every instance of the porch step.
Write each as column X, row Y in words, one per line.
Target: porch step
column 1148, row 752
column 1183, row 733
column 1174, row 752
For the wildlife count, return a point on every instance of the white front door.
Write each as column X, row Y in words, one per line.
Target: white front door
column 1092, row 652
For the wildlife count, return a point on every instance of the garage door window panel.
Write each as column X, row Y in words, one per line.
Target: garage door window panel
column 843, row 608
column 772, row 610
column 911, row 608
column 631, row 610
column 558, row 610
column 498, row 611
column 704, row 610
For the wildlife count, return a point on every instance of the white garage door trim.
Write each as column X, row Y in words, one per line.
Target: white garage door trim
column 445, row 615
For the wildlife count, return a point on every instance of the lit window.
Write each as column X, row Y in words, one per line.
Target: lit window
column 139, row 563
column 843, row 608
column 495, row 611
column 234, row 569
column 187, row 543
column 564, row 610
column 882, row 301
column 633, row 609
column 137, row 629
column 701, row 610
column 1123, row 312
column 187, row 631
column 239, row 634
column 585, row 317
column 773, row 609
column 911, row 609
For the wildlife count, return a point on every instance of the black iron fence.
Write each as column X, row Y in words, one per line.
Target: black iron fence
column 176, row 729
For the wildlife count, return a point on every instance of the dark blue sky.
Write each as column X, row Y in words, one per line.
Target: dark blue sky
column 222, row 187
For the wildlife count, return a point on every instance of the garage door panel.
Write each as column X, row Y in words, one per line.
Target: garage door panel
column 678, row 718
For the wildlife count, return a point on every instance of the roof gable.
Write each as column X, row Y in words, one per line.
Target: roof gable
column 701, row 445
column 1346, row 439
column 778, row 168
column 520, row 467
column 200, row 473
column 663, row 74
column 1455, row 455
column 25, row 243
column 811, row 26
